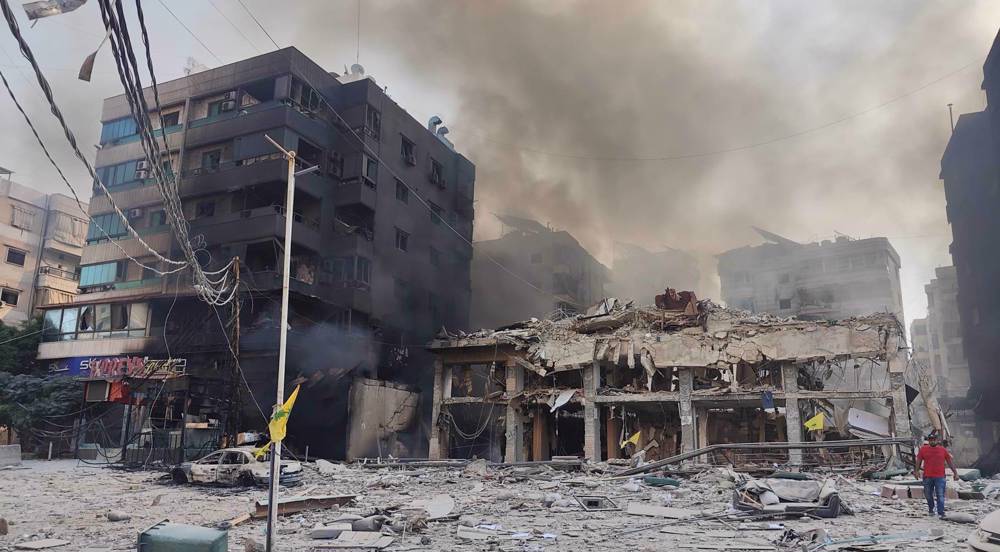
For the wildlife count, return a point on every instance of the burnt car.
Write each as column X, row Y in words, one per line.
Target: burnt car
column 236, row 467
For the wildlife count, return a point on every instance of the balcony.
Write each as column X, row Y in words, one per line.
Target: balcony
column 58, row 279
column 354, row 244
column 352, row 294
column 258, row 118
column 120, row 290
column 254, row 171
column 59, row 246
column 257, row 224
column 355, row 192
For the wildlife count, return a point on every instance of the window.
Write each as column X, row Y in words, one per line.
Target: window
column 437, row 173
column 536, row 258
column 436, row 212
column 373, row 122
column 103, row 273
column 119, row 128
column 408, row 151
column 157, row 218
column 371, row 171
column 364, row 270
column 402, row 192
column 435, row 256
column 785, row 304
column 211, row 159
column 116, row 175
column 335, row 164
column 103, row 227
column 215, row 108
column 22, row 218
column 171, row 119
column 205, row 209
column 16, row 256
column 402, row 240
column 9, row 296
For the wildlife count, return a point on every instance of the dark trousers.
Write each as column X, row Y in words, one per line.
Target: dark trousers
column 934, row 489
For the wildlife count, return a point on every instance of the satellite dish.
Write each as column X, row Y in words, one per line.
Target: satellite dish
column 357, row 69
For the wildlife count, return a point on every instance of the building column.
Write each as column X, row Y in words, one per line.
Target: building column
column 612, row 429
column 793, row 423
column 591, row 413
column 514, row 420
column 434, row 451
column 540, row 435
column 896, row 360
column 689, row 438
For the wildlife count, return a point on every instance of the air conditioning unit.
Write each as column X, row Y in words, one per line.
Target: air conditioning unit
column 133, row 214
column 141, row 174
column 142, row 165
column 228, row 105
column 230, row 96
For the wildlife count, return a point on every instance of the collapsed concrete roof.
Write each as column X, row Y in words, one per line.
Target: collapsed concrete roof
column 706, row 336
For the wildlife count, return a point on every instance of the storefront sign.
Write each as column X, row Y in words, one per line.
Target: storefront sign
column 117, row 367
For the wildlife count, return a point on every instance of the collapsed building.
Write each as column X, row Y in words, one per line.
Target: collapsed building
column 672, row 378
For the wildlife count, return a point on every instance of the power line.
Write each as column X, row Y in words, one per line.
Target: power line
column 22, row 336
column 722, row 151
column 71, row 138
column 233, row 25
column 252, row 16
column 189, row 31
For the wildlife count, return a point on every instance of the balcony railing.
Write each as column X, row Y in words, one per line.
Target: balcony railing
column 59, row 273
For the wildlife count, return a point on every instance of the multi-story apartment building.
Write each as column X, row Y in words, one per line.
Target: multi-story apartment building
column 919, row 341
column 640, row 275
column 379, row 253
column 544, row 271
column 947, row 364
column 42, row 239
column 828, row 280
column 969, row 169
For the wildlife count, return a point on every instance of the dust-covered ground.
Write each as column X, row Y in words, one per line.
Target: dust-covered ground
column 504, row 509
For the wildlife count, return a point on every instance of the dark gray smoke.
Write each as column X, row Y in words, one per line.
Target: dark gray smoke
column 597, row 79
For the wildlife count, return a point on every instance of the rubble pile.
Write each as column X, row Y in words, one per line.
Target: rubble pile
column 480, row 506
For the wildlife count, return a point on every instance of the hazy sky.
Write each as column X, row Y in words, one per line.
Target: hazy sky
column 569, row 108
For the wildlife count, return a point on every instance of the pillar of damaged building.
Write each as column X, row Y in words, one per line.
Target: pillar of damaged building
column 896, row 360
column 689, row 435
column 514, row 419
column 793, row 423
column 591, row 413
column 438, row 446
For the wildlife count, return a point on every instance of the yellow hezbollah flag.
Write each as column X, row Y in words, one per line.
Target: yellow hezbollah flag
column 633, row 439
column 817, row 422
column 278, row 426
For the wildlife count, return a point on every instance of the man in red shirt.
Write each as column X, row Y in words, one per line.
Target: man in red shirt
column 933, row 457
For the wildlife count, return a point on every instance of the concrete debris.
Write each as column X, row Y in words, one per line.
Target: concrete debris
column 117, row 515
column 328, row 468
column 41, row 544
column 960, row 517
column 442, row 508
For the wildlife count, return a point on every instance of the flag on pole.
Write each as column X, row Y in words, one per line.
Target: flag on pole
column 816, row 423
column 278, row 426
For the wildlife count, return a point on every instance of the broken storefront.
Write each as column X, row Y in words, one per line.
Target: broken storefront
column 668, row 379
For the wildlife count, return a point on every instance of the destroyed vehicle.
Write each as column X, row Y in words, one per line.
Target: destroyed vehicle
column 817, row 498
column 236, row 466
column 986, row 538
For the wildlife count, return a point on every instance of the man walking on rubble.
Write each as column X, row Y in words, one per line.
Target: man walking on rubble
column 933, row 456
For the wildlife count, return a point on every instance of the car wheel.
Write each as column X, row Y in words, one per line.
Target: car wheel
column 245, row 480
column 179, row 476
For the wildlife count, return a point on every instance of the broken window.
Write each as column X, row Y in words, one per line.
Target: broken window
column 211, row 160
column 373, row 122
column 436, row 174
column 407, row 150
column 9, row 296
column 205, row 209
column 402, row 240
column 402, row 192
column 171, row 119
column 335, row 164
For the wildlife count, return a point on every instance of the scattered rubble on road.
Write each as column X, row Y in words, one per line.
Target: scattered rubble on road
column 480, row 506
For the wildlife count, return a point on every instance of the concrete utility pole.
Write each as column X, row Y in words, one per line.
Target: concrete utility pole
column 272, row 495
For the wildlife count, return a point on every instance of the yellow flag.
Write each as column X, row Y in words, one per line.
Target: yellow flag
column 817, row 422
column 634, row 439
column 278, row 426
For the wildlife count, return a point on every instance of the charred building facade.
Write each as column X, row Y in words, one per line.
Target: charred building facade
column 544, row 271
column 813, row 281
column 972, row 190
column 374, row 270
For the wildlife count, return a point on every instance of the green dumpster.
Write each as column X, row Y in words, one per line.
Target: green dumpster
column 177, row 537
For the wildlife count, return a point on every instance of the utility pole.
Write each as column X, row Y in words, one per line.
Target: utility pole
column 272, row 495
column 235, row 404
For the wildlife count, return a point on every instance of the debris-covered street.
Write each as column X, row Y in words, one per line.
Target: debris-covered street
column 475, row 507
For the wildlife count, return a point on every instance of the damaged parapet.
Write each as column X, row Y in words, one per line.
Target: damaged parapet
column 623, row 380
